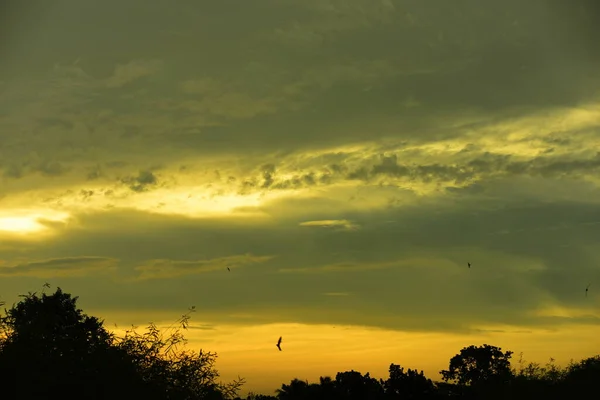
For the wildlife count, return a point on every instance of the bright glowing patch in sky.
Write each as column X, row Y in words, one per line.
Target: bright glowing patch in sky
column 19, row 224
column 26, row 223
column 199, row 202
column 178, row 201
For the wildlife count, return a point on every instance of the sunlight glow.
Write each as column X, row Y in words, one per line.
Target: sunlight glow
column 28, row 222
column 198, row 202
column 194, row 203
column 19, row 224
column 344, row 347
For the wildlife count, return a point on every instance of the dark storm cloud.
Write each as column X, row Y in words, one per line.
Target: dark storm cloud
column 513, row 57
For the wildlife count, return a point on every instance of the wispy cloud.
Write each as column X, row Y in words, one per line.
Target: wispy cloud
column 61, row 267
column 342, row 224
column 202, row 327
column 165, row 269
column 125, row 73
column 343, row 267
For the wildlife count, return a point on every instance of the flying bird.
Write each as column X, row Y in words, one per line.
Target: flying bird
column 279, row 343
column 586, row 289
column 228, row 269
column 469, row 264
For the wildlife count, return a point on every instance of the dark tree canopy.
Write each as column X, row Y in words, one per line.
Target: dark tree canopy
column 479, row 364
column 584, row 376
column 297, row 389
column 352, row 385
column 48, row 345
column 409, row 384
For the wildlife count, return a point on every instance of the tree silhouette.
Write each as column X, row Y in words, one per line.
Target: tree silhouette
column 50, row 348
column 476, row 373
column 476, row 365
column 352, row 385
column 327, row 386
column 407, row 385
column 297, row 389
column 481, row 372
column 582, row 377
column 254, row 396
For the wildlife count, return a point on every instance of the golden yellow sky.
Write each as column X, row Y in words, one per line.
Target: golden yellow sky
column 345, row 159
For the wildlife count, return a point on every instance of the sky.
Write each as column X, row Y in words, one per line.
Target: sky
column 345, row 159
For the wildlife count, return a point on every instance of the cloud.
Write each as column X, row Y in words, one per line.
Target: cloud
column 202, row 327
column 340, row 224
column 331, row 18
column 168, row 269
column 344, row 267
column 421, row 255
column 435, row 134
column 134, row 70
column 141, row 182
column 61, row 267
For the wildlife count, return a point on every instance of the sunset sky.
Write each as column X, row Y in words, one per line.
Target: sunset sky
column 345, row 159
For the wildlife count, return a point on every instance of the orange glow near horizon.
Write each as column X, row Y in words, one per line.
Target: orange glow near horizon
column 311, row 351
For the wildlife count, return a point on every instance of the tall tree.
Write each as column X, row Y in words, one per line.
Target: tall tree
column 481, row 372
column 479, row 364
column 50, row 348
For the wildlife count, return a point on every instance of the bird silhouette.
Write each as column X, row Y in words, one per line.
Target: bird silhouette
column 279, row 343
column 586, row 289
column 469, row 265
column 228, row 269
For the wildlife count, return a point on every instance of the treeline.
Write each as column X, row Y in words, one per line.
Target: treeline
column 476, row 373
column 50, row 349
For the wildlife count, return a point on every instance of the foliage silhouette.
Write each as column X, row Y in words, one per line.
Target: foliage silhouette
column 50, row 348
column 352, row 385
column 297, row 389
column 255, row 396
column 582, row 377
column 476, row 365
column 480, row 371
column 407, row 385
